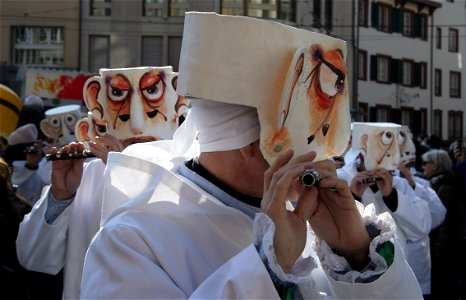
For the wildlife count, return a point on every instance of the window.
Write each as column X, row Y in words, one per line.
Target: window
column 438, row 42
column 407, row 78
column 178, row 8
column 438, row 82
column 385, row 18
column 423, row 75
column 38, row 46
column 363, row 115
column 383, row 63
column 99, row 46
column 408, row 23
column 455, row 124
column 423, row 119
column 252, row 8
column 101, row 8
column 153, row 8
column 437, row 130
column 407, row 116
column 287, row 10
column 422, row 27
column 382, row 113
column 152, row 51
column 453, row 40
column 362, row 65
column 455, row 84
column 174, row 51
column 363, row 12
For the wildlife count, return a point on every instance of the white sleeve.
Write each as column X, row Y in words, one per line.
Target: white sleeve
column 40, row 246
column 436, row 207
column 412, row 214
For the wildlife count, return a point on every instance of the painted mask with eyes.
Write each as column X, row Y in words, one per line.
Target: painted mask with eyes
column 59, row 124
column 132, row 104
column 378, row 143
column 407, row 147
column 296, row 79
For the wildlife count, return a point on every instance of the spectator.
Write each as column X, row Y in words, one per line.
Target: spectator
column 447, row 240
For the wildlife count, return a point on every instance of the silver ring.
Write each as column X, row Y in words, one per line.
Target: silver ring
column 310, row 177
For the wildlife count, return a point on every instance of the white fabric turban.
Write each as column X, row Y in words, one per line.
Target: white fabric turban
column 224, row 126
column 23, row 135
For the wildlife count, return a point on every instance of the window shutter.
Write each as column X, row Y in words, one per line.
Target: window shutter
column 417, row 25
column 152, row 49
column 375, row 14
column 397, row 20
column 372, row 114
column 396, row 73
column 417, row 74
column 373, row 67
column 396, row 115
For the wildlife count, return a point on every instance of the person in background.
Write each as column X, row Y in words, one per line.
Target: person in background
column 33, row 112
column 446, row 241
column 458, row 153
column 24, row 154
column 370, row 163
column 219, row 225
column 14, row 278
column 15, row 281
column 57, row 232
column 418, row 252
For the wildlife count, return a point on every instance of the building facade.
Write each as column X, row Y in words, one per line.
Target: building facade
column 408, row 53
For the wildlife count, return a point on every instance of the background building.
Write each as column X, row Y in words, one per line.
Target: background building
column 409, row 52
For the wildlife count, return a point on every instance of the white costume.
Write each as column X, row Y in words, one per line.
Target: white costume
column 176, row 240
column 412, row 214
column 48, row 248
column 418, row 252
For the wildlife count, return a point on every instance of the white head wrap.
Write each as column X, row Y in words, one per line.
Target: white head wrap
column 23, row 135
column 224, row 126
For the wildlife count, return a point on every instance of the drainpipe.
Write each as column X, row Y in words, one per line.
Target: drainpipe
column 432, row 79
column 80, row 34
column 355, row 39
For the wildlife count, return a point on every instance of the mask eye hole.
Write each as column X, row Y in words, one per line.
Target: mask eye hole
column 70, row 120
column 401, row 138
column 116, row 94
column 153, row 92
column 329, row 81
column 55, row 122
column 101, row 129
column 387, row 138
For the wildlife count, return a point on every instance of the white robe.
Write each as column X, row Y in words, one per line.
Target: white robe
column 174, row 240
column 412, row 215
column 418, row 252
column 48, row 248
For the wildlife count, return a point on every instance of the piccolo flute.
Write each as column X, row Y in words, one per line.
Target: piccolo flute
column 66, row 156
column 369, row 180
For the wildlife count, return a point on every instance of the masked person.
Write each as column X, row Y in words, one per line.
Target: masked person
column 219, row 225
column 32, row 175
column 418, row 252
column 126, row 106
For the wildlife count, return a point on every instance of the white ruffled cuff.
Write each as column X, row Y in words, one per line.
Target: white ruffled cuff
column 264, row 230
column 339, row 268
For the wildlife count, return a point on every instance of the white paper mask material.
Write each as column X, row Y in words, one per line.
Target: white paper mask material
column 296, row 79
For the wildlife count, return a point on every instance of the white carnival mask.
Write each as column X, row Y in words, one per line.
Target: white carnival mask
column 407, row 147
column 59, row 124
column 132, row 104
column 378, row 143
column 296, row 79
